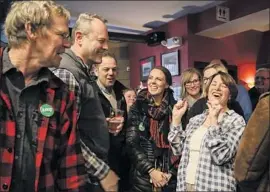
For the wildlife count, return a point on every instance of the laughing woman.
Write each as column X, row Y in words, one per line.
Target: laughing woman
column 210, row 141
column 149, row 123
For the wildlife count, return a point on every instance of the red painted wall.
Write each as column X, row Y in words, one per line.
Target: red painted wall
column 139, row 51
column 240, row 49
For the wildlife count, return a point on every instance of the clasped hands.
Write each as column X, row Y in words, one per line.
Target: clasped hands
column 158, row 178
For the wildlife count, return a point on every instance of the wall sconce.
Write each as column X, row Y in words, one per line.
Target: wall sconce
column 250, row 82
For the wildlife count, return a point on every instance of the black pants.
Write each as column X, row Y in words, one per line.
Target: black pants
column 123, row 187
column 89, row 187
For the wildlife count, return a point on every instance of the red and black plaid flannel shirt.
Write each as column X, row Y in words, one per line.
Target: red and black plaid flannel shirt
column 59, row 162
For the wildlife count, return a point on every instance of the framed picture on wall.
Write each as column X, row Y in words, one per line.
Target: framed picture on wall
column 171, row 62
column 146, row 65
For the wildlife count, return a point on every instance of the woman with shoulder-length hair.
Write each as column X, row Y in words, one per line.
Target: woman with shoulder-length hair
column 191, row 89
column 148, row 147
column 210, row 141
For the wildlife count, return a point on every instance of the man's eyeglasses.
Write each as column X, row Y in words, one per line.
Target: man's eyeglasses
column 63, row 35
column 206, row 79
column 195, row 82
column 261, row 78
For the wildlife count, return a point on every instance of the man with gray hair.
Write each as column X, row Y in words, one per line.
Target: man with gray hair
column 262, row 85
column 89, row 41
column 39, row 147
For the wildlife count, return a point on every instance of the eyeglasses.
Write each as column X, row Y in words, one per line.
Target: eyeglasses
column 195, row 82
column 206, row 79
column 261, row 78
column 63, row 35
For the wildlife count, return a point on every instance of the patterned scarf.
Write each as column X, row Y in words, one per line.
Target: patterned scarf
column 160, row 119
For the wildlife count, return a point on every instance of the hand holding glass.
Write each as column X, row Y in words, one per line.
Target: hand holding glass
column 116, row 120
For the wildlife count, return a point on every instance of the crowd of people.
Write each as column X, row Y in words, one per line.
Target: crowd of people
column 68, row 124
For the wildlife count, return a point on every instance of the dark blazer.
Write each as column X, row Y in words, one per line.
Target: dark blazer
column 252, row 164
column 118, row 160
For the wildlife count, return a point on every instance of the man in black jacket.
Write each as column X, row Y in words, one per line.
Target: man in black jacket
column 111, row 96
column 89, row 41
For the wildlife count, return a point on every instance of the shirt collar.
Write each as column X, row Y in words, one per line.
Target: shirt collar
column 43, row 75
column 7, row 65
column 228, row 112
column 79, row 60
column 104, row 89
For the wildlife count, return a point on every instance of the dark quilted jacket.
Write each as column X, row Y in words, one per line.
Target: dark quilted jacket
column 140, row 147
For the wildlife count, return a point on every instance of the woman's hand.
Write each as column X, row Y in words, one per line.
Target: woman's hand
column 179, row 110
column 214, row 111
column 158, row 179
column 167, row 176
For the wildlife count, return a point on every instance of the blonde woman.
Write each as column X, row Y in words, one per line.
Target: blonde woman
column 191, row 86
column 191, row 89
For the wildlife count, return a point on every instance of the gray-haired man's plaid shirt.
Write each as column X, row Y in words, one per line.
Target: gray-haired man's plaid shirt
column 95, row 166
column 215, row 168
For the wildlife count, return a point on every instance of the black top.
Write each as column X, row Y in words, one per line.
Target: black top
column 142, row 149
column 254, row 97
column 200, row 105
column 118, row 160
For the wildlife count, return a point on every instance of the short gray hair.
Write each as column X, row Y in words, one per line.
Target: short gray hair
column 262, row 69
column 83, row 24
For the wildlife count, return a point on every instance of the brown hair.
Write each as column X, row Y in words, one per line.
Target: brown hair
column 106, row 53
column 129, row 89
column 228, row 81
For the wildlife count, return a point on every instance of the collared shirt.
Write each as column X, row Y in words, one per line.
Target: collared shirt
column 25, row 100
column 58, row 159
column 215, row 168
column 95, row 166
column 110, row 96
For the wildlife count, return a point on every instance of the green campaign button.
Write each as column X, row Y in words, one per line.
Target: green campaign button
column 46, row 110
column 141, row 127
